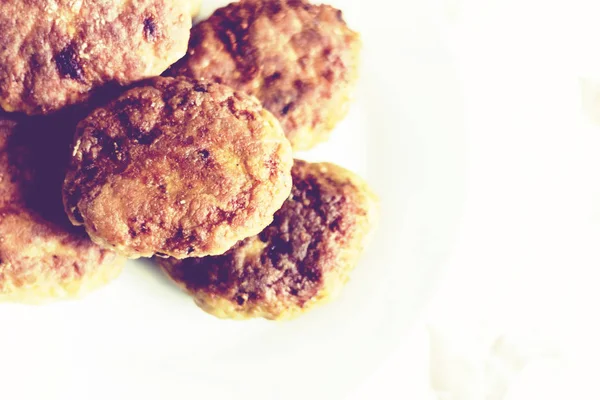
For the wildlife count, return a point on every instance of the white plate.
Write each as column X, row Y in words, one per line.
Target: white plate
column 141, row 338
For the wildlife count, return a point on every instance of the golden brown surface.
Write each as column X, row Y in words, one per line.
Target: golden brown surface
column 303, row 258
column 53, row 53
column 177, row 167
column 42, row 256
column 300, row 60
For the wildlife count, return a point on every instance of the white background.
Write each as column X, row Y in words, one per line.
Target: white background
column 516, row 313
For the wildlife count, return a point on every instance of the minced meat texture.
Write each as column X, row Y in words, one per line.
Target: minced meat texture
column 299, row 59
column 177, row 167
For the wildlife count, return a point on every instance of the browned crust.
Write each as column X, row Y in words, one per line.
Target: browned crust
column 42, row 255
column 177, row 167
column 300, row 60
column 299, row 260
column 53, row 53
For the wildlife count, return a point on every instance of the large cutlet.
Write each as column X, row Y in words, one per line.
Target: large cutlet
column 177, row 167
column 54, row 53
column 42, row 256
column 302, row 259
column 299, row 59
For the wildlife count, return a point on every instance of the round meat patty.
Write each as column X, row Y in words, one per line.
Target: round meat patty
column 300, row 60
column 53, row 53
column 42, row 256
column 177, row 168
column 302, row 259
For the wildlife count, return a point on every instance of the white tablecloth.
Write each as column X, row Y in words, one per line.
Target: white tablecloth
column 515, row 315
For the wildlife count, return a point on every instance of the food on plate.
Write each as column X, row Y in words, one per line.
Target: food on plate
column 302, row 259
column 42, row 256
column 299, row 59
column 54, row 53
column 101, row 159
column 177, row 167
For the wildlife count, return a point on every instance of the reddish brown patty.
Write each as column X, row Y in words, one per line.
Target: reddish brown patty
column 42, row 255
column 299, row 59
column 302, row 258
column 177, row 167
column 53, row 53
